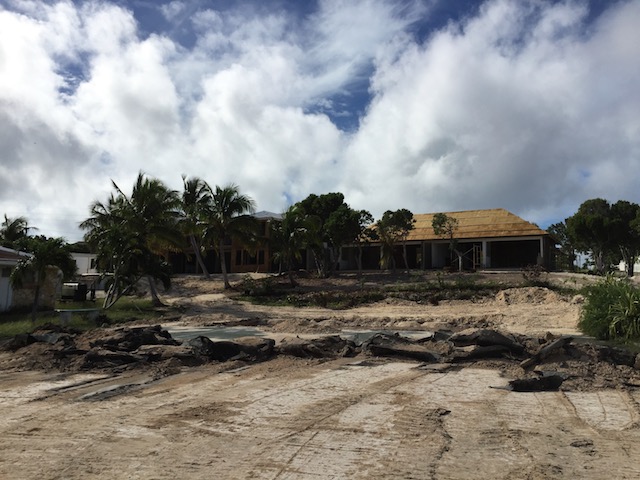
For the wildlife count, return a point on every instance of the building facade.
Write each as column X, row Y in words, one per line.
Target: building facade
column 238, row 257
column 486, row 239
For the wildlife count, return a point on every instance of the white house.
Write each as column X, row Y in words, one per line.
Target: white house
column 636, row 268
column 85, row 262
column 8, row 260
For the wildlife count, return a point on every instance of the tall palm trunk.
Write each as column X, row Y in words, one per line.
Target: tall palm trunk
column 196, row 251
column 292, row 281
column 111, row 296
column 223, row 263
column 34, row 309
column 155, row 299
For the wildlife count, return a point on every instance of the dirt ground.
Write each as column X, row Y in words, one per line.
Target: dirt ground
column 360, row 417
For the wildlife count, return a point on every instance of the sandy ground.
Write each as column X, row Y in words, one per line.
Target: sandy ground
column 291, row 418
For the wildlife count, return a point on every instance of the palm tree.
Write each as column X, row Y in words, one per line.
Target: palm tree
column 109, row 235
column 228, row 219
column 44, row 252
column 196, row 198
column 13, row 231
column 289, row 236
column 130, row 232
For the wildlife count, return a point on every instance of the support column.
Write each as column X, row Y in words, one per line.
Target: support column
column 485, row 256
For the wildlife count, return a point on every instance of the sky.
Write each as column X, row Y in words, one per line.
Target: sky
column 430, row 105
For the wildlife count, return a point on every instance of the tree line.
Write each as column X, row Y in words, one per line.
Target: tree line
column 606, row 232
column 130, row 233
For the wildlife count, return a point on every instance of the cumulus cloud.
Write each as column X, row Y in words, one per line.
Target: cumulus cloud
column 523, row 107
column 529, row 106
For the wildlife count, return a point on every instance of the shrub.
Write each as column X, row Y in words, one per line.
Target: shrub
column 533, row 275
column 611, row 310
column 257, row 288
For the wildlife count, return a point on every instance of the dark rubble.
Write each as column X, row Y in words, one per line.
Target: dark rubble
column 534, row 364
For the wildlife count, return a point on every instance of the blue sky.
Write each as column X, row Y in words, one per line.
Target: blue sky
column 430, row 105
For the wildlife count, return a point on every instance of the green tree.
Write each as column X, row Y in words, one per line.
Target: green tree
column 625, row 234
column 14, row 231
column 229, row 218
column 446, row 226
column 196, row 201
column 342, row 228
column 337, row 225
column 44, row 252
column 590, row 230
column 129, row 234
column 558, row 232
column 365, row 235
column 289, row 236
column 392, row 228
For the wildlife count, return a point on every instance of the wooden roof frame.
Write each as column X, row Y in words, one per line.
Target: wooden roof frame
column 477, row 224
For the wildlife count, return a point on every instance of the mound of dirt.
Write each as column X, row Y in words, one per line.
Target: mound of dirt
column 530, row 295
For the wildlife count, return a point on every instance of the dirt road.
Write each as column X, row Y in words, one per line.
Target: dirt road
column 334, row 420
column 290, row 418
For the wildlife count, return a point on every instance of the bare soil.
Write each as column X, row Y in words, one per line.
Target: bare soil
column 329, row 418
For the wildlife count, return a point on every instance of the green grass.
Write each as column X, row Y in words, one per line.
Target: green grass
column 125, row 310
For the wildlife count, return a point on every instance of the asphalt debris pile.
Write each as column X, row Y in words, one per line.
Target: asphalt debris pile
column 533, row 363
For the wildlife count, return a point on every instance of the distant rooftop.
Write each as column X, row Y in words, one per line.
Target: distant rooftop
column 9, row 256
column 264, row 215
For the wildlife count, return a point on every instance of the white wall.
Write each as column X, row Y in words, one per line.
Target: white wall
column 83, row 262
column 6, row 292
column 636, row 268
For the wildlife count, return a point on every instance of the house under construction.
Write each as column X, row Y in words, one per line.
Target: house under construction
column 494, row 238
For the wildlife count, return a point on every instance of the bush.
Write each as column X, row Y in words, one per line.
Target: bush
column 257, row 288
column 611, row 310
column 533, row 275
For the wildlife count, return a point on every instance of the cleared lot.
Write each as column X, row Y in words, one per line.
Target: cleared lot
column 289, row 418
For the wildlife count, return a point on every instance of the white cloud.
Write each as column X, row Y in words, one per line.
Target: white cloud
column 173, row 9
column 503, row 113
column 523, row 106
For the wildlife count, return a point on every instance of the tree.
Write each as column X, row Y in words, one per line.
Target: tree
column 446, row 226
column 44, row 252
column 365, row 235
column 589, row 229
column 228, row 218
column 625, row 235
column 336, row 225
column 196, row 200
column 115, row 244
column 129, row 233
column 342, row 227
column 321, row 207
column 14, row 231
column 392, row 228
column 289, row 237
column 558, row 232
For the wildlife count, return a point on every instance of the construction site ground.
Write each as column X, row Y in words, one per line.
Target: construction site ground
column 359, row 417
